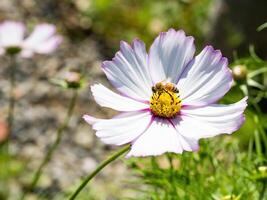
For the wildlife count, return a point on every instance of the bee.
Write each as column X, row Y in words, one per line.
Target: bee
column 165, row 87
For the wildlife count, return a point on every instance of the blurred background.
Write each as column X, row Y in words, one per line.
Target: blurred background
column 92, row 30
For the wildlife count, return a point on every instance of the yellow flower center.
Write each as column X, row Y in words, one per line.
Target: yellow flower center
column 165, row 100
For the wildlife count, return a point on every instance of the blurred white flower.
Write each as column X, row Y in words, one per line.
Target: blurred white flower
column 167, row 97
column 43, row 39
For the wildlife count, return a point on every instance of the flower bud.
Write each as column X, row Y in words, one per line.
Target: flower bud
column 73, row 79
column 260, row 174
column 262, row 169
column 156, row 26
column 240, row 72
column 231, row 197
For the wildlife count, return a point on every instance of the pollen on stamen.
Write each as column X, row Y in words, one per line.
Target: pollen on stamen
column 165, row 101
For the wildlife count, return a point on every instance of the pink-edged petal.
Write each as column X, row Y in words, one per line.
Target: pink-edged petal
column 49, row 45
column 206, row 78
column 128, row 71
column 40, row 34
column 11, row 33
column 26, row 53
column 122, row 129
column 169, row 54
column 90, row 119
column 106, row 98
column 210, row 120
column 161, row 137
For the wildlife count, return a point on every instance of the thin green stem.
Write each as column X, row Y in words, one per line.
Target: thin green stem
column 54, row 146
column 10, row 118
column 97, row 170
column 262, row 192
column 171, row 177
column 12, row 100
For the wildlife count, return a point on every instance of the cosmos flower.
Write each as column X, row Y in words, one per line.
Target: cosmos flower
column 167, row 98
column 42, row 40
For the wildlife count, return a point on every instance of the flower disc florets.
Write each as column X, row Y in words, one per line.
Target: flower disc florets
column 165, row 101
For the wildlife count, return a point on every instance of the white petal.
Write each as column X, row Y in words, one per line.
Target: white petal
column 128, row 71
column 206, row 79
column 106, row 98
column 122, row 129
column 11, row 33
column 40, row 34
column 49, row 45
column 169, row 54
column 210, row 120
column 91, row 120
column 26, row 53
column 159, row 138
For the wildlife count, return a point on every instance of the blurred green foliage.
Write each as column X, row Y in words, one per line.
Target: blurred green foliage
column 219, row 171
column 127, row 19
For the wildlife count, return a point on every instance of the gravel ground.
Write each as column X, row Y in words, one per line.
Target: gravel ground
column 42, row 106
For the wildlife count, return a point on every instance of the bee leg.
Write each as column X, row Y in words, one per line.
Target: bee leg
column 153, row 89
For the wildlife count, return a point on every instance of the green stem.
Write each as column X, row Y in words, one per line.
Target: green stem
column 12, row 100
column 10, row 117
column 98, row 169
column 54, row 146
column 261, row 197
